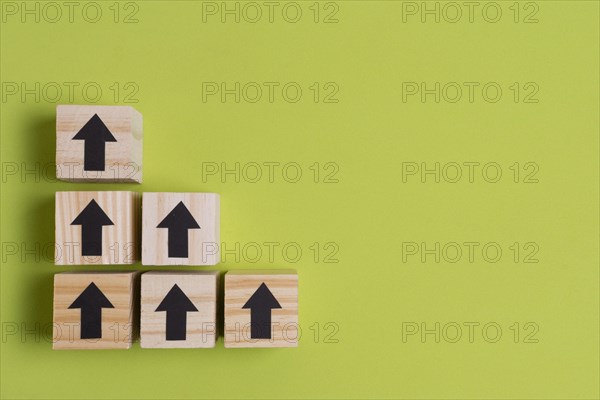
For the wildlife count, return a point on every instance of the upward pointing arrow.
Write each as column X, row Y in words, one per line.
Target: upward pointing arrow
column 177, row 305
column 260, row 304
column 95, row 134
column 91, row 302
column 91, row 219
column 178, row 221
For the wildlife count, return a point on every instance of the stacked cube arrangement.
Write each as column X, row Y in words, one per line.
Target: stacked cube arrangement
column 173, row 308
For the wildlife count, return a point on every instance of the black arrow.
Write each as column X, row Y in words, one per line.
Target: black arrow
column 178, row 221
column 91, row 302
column 91, row 219
column 95, row 134
column 177, row 305
column 260, row 304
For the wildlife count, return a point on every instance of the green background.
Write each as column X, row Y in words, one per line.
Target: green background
column 361, row 305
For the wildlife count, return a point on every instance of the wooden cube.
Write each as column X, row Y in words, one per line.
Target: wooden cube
column 98, row 143
column 96, row 228
column 180, row 229
column 179, row 309
column 94, row 310
column 261, row 308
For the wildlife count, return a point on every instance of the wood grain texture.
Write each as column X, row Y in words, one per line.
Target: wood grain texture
column 118, row 327
column 123, row 158
column 120, row 242
column 200, row 287
column 240, row 286
column 204, row 243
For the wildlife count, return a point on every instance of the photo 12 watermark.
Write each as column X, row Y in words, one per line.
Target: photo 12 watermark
column 288, row 92
column 452, row 252
column 327, row 172
column 470, row 172
column 470, row 332
column 489, row 92
column 55, row 12
column 69, row 92
column 470, row 12
column 270, row 12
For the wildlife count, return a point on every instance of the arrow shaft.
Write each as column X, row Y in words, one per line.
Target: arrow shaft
column 91, row 323
column 91, row 240
column 260, row 323
column 94, row 154
column 176, row 325
column 178, row 243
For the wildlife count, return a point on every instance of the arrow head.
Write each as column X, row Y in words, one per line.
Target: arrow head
column 176, row 300
column 179, row 217
column 92, row 215
column 262, row 299
column 95, row 130
column 91, row 297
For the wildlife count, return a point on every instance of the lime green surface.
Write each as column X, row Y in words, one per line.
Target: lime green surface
column 365, row 129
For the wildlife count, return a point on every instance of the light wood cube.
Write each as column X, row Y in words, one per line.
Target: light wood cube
column 96, row 228
column 261, row 308
column 180, row 229
column 98, row 143
column 179, row 309
column 94, row 310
